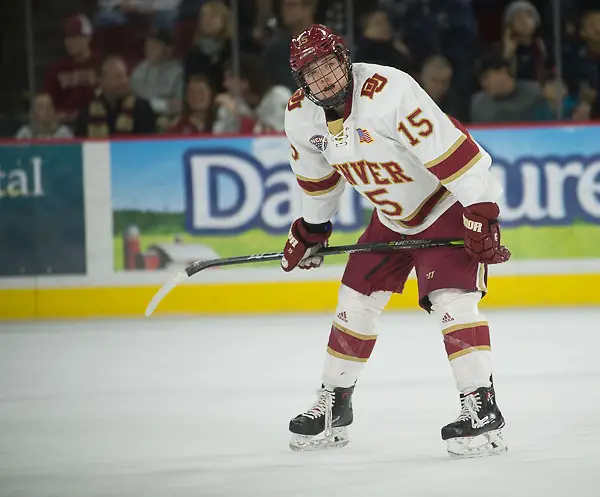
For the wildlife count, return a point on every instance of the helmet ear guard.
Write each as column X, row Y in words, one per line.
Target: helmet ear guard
column 315, row 43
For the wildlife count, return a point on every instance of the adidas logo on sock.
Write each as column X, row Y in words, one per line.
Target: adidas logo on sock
column 342, row 317
column 447, row 318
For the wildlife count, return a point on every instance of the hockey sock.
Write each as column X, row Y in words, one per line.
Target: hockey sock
column 466, row 337
column 353, row 336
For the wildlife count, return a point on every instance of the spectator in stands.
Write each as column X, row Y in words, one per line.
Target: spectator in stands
column 71, row 80
column 503, row 99
column 115, row 110
column 446, row 27
column 378, row 45
column 588, row 61
column 582, row 112
column 119, row 12
column 522, row 45
column 554, row 91
column 255, row 21
column 212, row 43
column 262, row 106
column 159, row 78
column 198, row 108
column 296, row 16
column 436, row 78
column 334, row 14
column 188, row 9
column 44, row 123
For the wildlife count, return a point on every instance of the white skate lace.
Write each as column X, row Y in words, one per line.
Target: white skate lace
column 470, row 406
column 320, row 407
column 340, row 139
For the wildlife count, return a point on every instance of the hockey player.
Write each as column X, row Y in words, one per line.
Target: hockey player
column 375, row 128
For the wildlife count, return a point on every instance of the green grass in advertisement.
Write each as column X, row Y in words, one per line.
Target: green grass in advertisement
column 578, row 240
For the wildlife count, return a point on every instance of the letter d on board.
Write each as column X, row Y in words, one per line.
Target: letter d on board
column 223, row 179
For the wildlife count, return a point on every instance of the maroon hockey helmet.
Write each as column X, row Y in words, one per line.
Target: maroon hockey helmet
column 317, row 42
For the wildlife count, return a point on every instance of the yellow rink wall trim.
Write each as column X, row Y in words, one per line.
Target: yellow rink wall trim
column 248, row 298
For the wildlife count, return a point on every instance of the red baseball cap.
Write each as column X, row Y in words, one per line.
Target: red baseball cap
column 78, row 25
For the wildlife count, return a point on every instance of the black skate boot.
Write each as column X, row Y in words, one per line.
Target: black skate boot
column 478, row 429
column 323, row 426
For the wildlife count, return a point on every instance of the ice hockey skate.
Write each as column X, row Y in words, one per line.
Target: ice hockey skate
column 324, row 425
column 478, row 429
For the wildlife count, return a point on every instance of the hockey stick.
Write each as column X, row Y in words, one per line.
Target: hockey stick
column 198, row 266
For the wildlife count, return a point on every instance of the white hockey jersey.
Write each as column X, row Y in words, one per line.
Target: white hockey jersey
column 395, row 147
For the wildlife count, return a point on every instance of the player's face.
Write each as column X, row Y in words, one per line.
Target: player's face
column 325, row 77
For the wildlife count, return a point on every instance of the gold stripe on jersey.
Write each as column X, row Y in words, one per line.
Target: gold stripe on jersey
column 422, row 210
column 462, row 171
column 323, row 192
column 447, row 153
column 418, row 209
column 316, row 180
column 319, row 186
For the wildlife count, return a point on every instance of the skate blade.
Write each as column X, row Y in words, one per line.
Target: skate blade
column 337, row 439
column 487, row 444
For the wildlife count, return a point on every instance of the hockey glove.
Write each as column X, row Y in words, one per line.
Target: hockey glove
column 482, row 233
column 303, row 241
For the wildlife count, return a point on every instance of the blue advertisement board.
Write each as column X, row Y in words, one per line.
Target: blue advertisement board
column 233, row 193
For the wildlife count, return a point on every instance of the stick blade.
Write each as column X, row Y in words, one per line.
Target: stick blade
column 164, row 290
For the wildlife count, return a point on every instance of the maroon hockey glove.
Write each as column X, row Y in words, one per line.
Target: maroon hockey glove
column 482, row 233
column 303, row 241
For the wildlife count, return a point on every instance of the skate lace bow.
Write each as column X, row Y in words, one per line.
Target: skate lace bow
column 320, row 407
column 470, row 406
column 340, row 139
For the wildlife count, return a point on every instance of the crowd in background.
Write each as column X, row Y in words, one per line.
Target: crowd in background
column 166, row 66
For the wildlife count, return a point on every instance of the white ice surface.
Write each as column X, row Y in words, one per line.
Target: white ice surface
column 199, row 407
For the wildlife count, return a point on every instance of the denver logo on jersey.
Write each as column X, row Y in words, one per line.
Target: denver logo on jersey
column 364, row 136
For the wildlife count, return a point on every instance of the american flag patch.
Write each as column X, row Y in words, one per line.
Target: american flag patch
column 364, row 136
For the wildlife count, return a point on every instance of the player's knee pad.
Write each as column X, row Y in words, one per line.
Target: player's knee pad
column 453, row 306
column 357, row 312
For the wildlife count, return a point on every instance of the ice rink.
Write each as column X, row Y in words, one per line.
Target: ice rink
column 200, row 406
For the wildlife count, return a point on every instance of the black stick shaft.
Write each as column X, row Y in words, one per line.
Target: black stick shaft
column 198, row 266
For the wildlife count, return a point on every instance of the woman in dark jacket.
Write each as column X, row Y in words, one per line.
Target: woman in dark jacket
column 212, row 44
